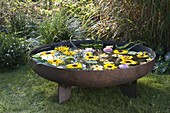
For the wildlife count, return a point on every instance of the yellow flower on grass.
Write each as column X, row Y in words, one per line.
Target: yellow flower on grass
column 109, row 66
column 61, row 48
column 126, row 57
column 74, row 66
column 142, row 55
column 97, row 67
column 91, row 58
column 128, row 62
column 69, row 53
column 55, row 62
column 120, row 51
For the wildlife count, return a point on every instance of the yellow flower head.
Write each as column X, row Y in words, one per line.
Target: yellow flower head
column 91, row 57
column 109, row 66
column 128, row 62
column 74, row 66
column 61, row 48
column 88, row 53
column 52, row 52
column 47, row 53
column 69, row 53
column 97, row 67
column 55, row 62
column 120, row 51
column 126, row 57
column 142, row 55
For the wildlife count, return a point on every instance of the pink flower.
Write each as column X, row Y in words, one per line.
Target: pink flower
column 123, row 66
column 107, row 49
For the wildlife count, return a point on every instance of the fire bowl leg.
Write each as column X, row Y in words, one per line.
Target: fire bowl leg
column 129, row 89
column 64, row 93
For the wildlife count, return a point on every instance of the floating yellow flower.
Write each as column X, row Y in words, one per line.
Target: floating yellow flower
column 97, row 67
column 69, row 53
column 42, row 53
column 74, row 66
column 52, row 52
column 148, row 59
column 109, row 66
column 88, row 53
column 55, row 62
column 91, row 57
column 128, row 62
column 47, row 53
column 120, row 51
column 62, row 48
column 142, row 55
column 126, row 57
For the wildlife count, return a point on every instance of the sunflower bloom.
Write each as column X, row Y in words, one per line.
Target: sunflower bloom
column 120, row 51
column 47, row 55
column 55, row 62
column 88, row 53
column 109, row 66
column 74, row 66
column 142, row 55
column 126, row 57
column 128, row 62
column 69, row 53
column 61, row 48
column 91, row 58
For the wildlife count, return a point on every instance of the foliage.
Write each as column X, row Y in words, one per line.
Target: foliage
column 127, row 20
column 22, row 26
column 105, row 22
column 13, row 51
column 57, row 28
column 150, row 21
column 162, row 63
column 80, row 9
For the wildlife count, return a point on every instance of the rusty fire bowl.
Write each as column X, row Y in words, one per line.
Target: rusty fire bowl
column 90, row 78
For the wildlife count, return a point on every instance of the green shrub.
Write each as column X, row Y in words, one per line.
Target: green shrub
column 22, row 26
column 13, row 52
column 57, row 28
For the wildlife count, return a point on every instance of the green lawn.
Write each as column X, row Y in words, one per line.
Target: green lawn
column 22, row 91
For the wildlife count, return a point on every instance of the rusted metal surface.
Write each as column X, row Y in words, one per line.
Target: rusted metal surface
column 90, row 78
column 64, row 93
column 129, row 89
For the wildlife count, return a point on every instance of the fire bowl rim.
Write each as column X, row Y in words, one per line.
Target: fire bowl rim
column 74, row 70
column 90, row 78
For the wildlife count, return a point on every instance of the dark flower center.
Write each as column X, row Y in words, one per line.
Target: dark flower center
column 91, row 57
column 74, row 65
column 128, row 61
column 109, row 66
